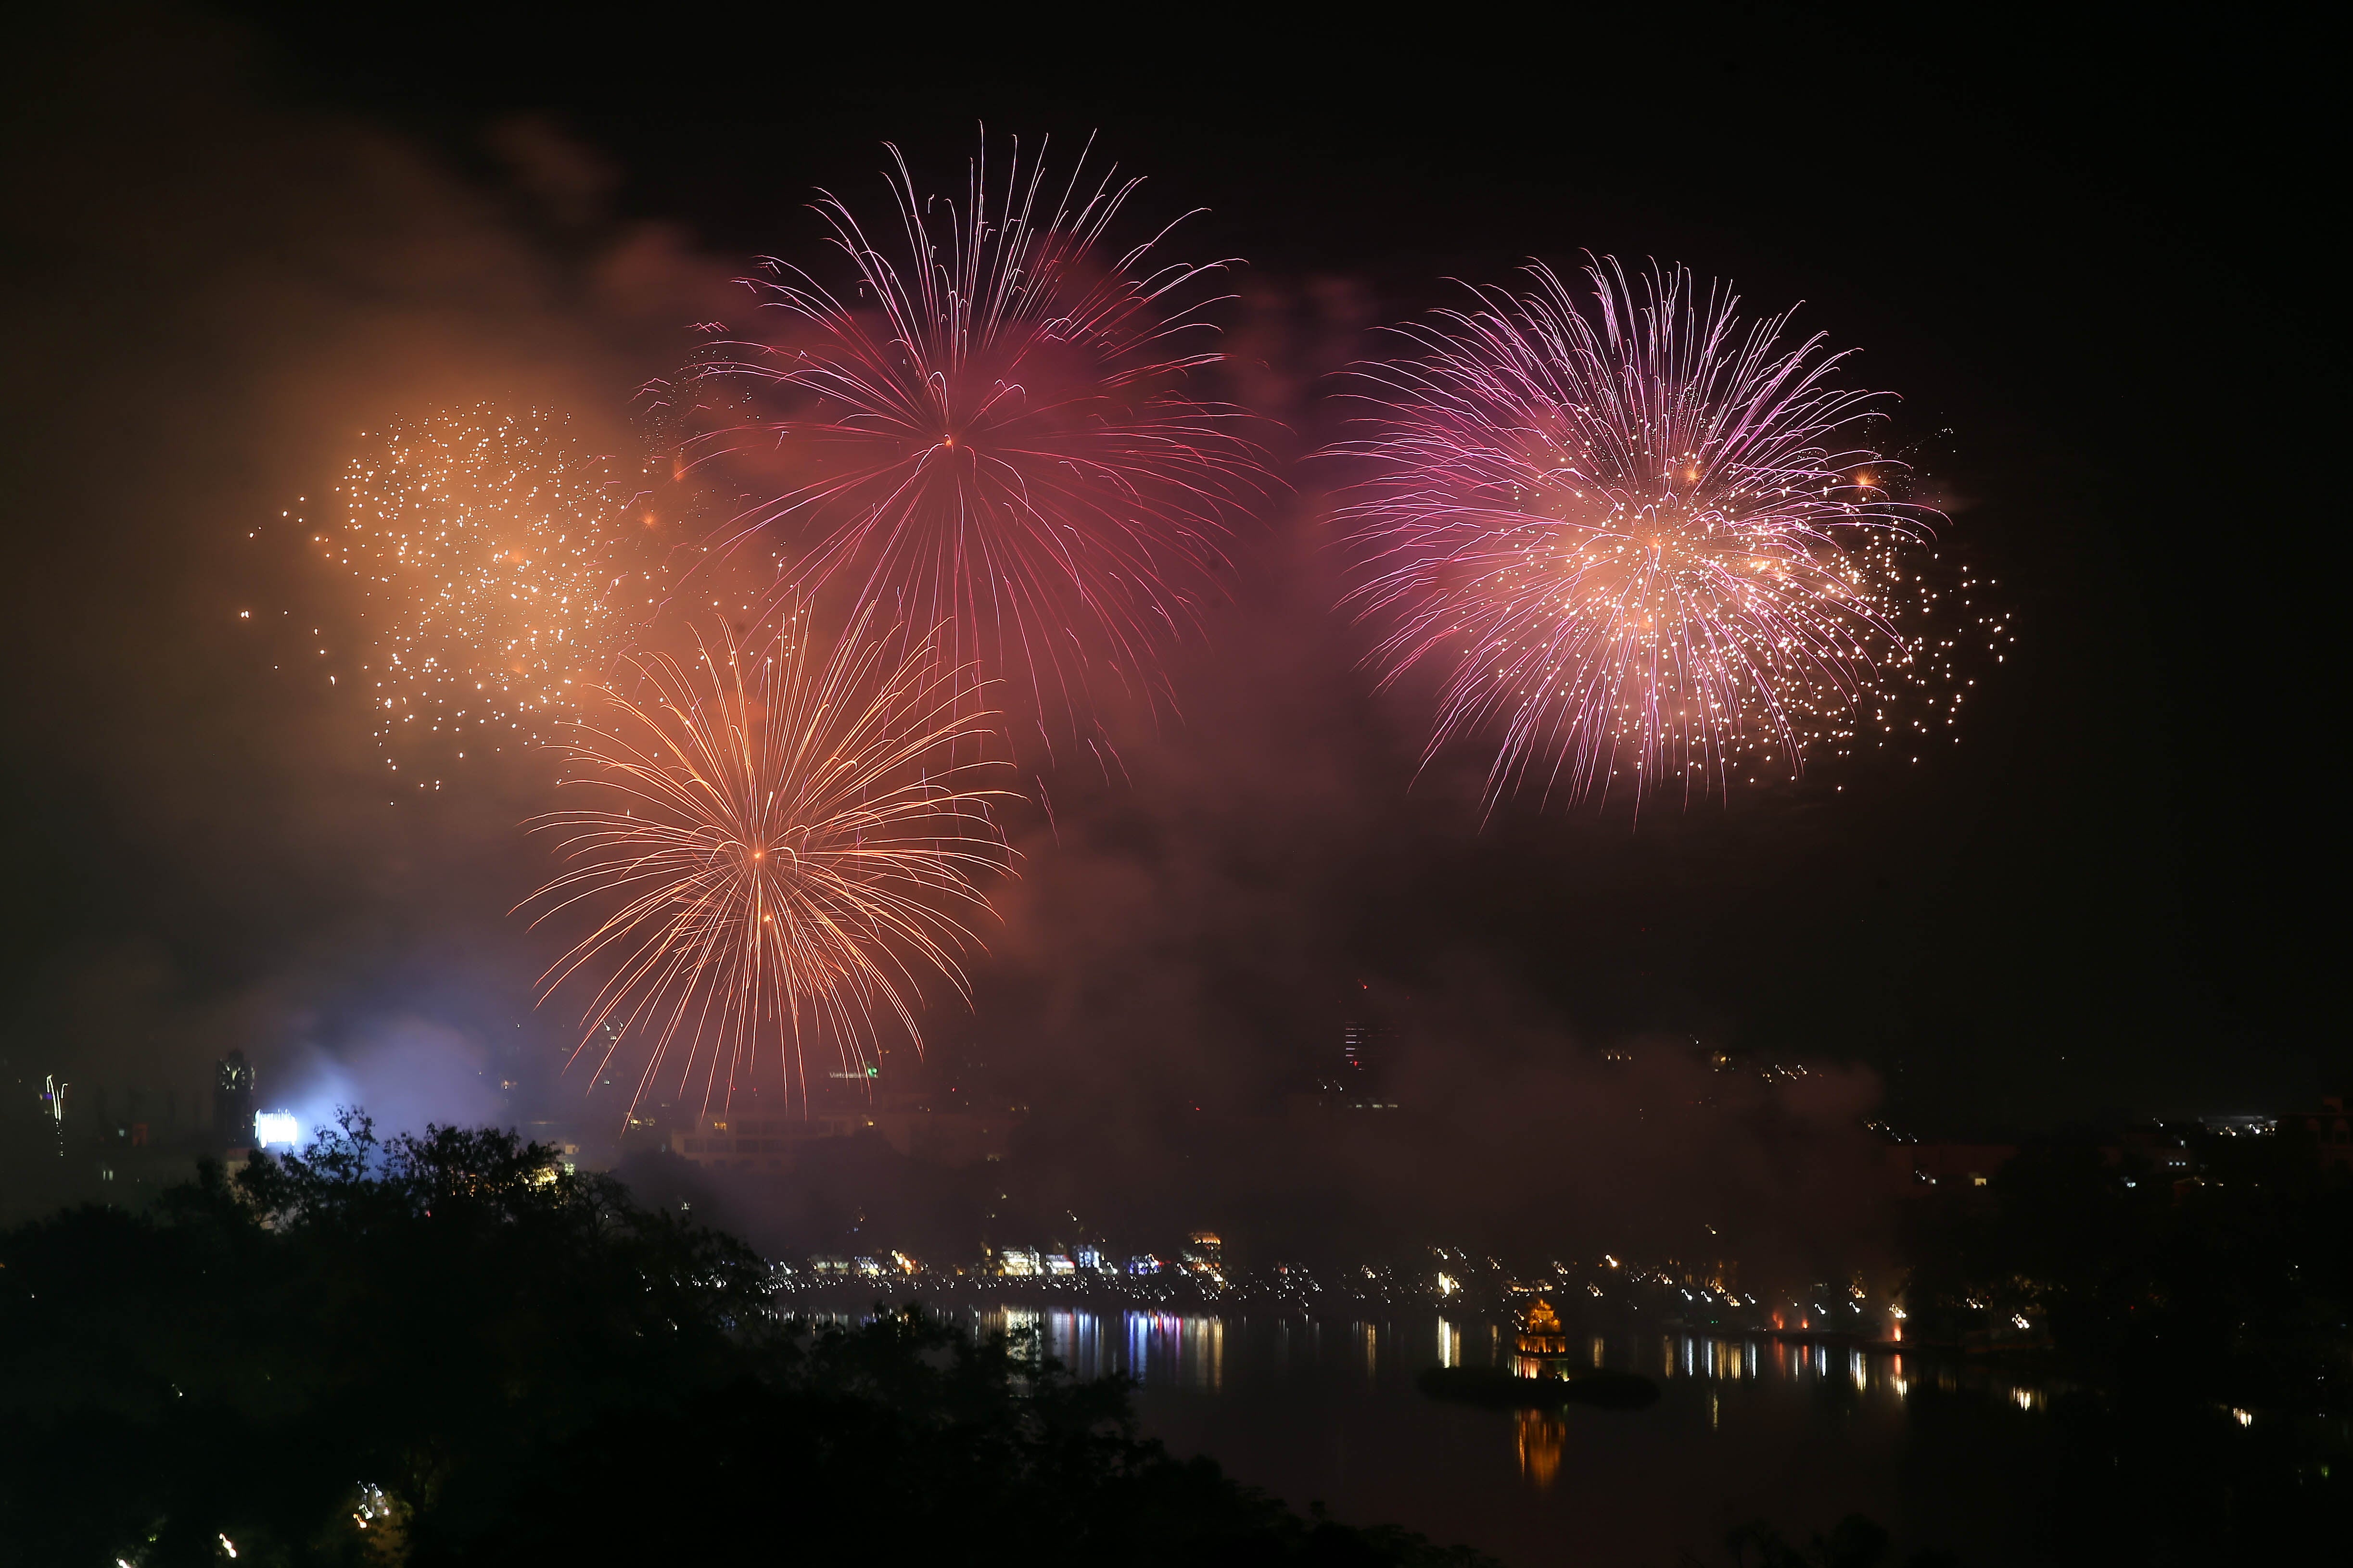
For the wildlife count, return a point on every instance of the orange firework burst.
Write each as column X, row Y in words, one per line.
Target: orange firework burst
column 789, row 840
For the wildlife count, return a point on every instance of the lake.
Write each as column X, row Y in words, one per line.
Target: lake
column 1947, row 1456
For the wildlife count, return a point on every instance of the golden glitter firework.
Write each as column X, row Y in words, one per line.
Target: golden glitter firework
column 502, row 562
column 789, row 838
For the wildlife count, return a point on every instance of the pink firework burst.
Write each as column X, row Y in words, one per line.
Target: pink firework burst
column 1643, row 542
column 989, row 424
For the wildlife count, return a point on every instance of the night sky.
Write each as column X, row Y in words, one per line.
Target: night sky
column 2087, row 255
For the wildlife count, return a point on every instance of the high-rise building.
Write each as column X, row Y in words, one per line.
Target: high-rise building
column 233, row 1101
column 1353, row 1083
column 1205, row 1255
column 2327, row 1130
column 53, row 1106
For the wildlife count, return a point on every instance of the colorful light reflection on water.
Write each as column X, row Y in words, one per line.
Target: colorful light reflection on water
column 1797, row 1433
column 1191, row 1350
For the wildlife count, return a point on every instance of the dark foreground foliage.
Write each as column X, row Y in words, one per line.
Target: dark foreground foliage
column 446, row 1349
column 1855, row 1541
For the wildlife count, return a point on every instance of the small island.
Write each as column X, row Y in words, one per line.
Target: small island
column 1539, row 1376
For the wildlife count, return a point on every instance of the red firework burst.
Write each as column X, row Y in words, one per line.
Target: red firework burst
column 989, row 424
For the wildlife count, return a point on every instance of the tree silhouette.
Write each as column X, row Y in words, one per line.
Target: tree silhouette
column 448, row 1350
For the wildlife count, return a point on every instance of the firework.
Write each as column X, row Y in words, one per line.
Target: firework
column 502, row 563
column 1645, row 545
column 783, row 843
column 988, row 424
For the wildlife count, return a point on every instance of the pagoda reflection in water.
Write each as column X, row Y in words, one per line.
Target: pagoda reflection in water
column 1541, row 1434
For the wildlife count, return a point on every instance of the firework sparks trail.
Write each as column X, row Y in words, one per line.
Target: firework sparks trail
column 988, row 426
column 784, row 844
column 1642, row 540
column 500, row 560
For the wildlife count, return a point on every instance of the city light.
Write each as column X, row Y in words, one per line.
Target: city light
column 276, row 1129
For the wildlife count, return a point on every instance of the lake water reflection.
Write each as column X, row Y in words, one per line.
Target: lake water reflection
column 1326, row 1409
